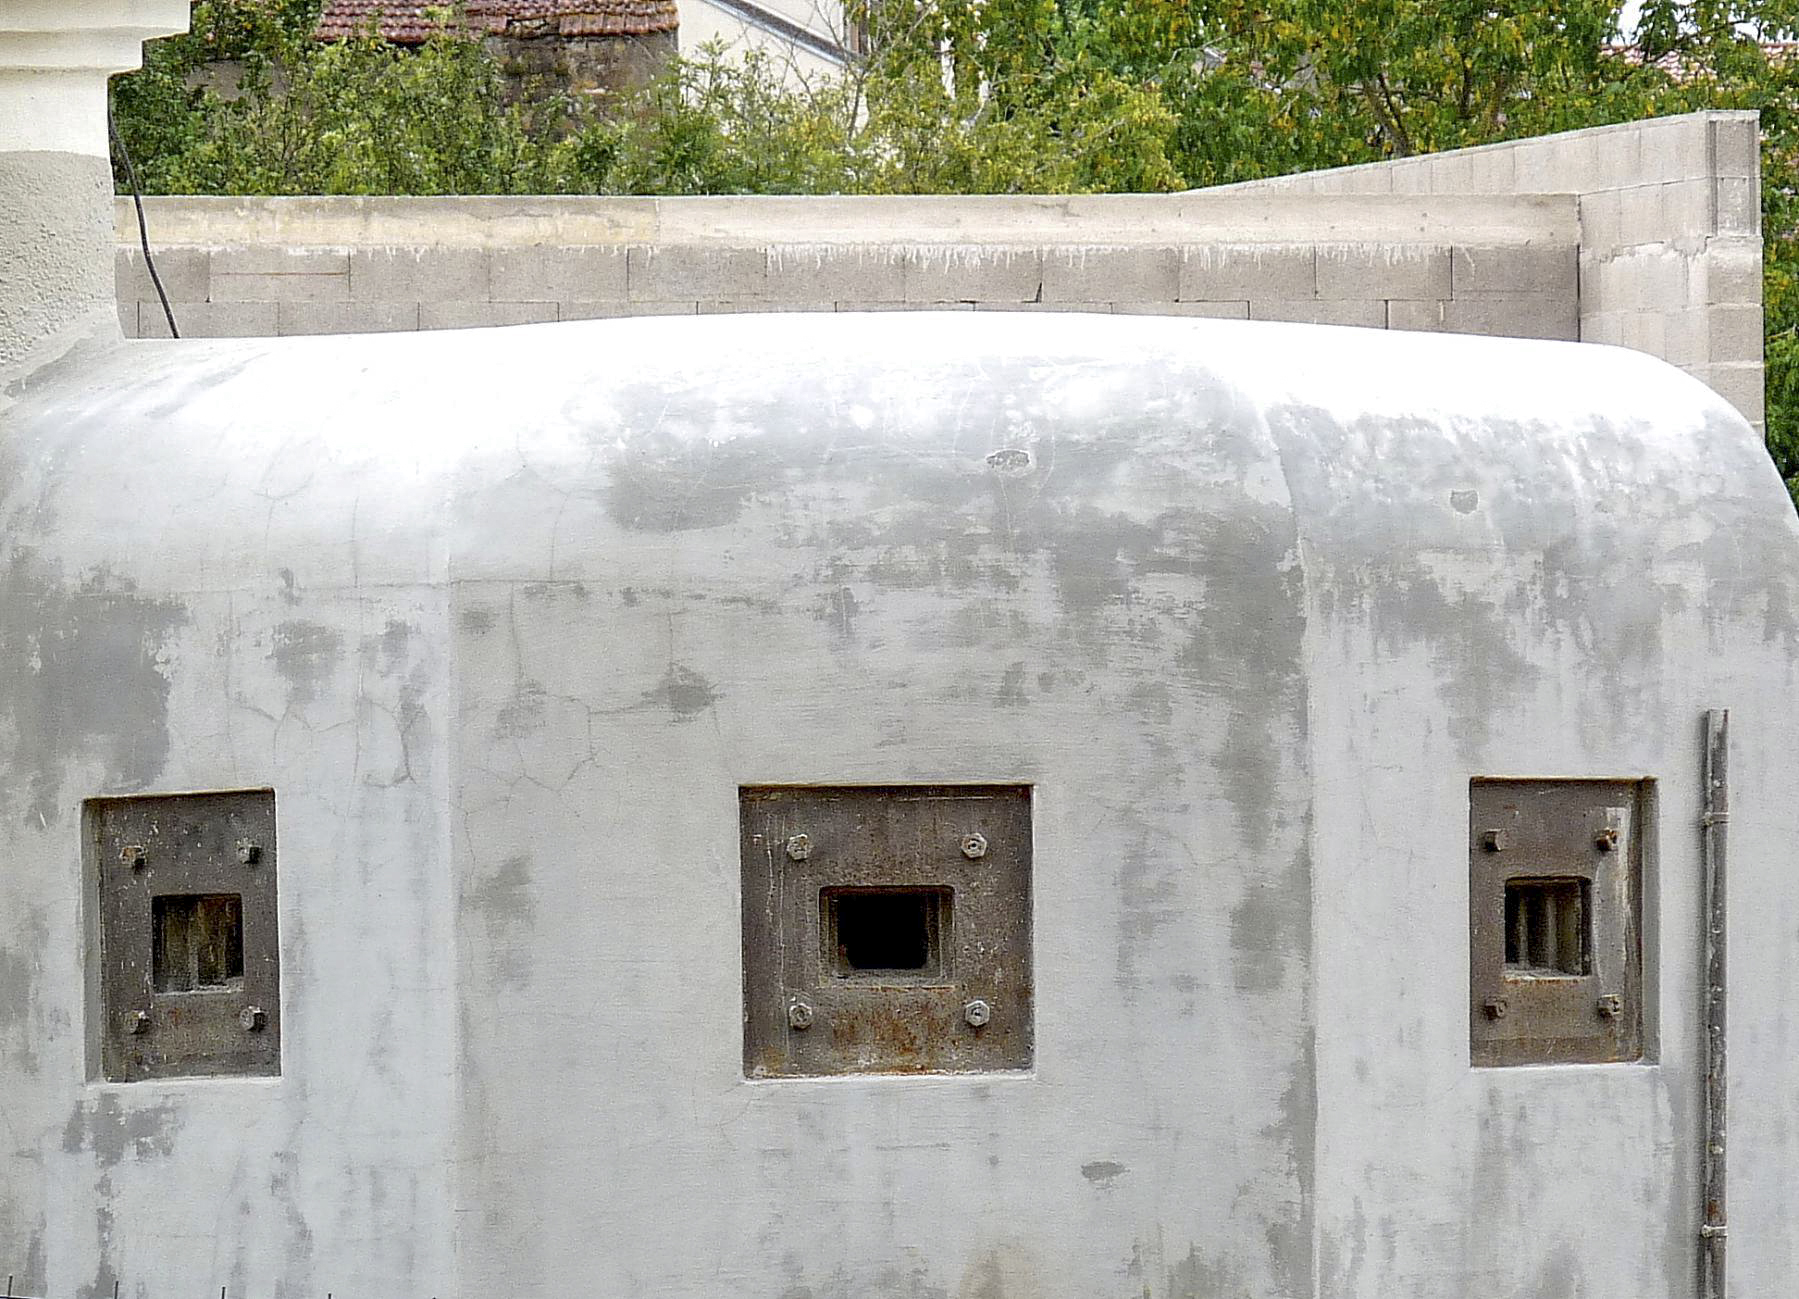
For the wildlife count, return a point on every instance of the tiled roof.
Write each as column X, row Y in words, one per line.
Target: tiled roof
column 406, row 22
column 1683, row 66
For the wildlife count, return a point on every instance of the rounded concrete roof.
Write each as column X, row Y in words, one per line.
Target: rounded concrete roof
column 528, row 451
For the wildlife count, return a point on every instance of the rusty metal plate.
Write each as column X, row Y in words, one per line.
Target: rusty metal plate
column 188, row 943
column 1555, row 872
column 886, row 930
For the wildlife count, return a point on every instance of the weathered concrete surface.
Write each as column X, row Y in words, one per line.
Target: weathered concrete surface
column 506, row 653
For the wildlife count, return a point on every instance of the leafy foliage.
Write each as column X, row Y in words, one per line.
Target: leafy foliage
column 982, row 96
column 293, row 116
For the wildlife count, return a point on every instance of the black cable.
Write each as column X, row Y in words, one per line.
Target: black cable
column 143, row 229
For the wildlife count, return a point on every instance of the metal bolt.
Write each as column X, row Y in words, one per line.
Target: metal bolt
column 977, row 1013
column 1494, row 840
column 1611, row 1006
column 134, row 855
column 1607, row 839
column 1495, row 1007
column 799, row 1015
column 249, row 852
column 974, row 846
column 138, row 1022
column 799, row 847
column 252, row 1019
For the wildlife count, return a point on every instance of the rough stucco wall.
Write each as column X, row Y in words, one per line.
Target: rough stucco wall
column 56, row 249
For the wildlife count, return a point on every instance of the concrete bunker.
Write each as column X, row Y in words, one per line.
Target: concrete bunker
column 1185, row 664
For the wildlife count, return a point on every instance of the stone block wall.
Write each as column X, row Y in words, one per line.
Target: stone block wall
column 297, row 266
column 1670, row 230
column 1645, row 235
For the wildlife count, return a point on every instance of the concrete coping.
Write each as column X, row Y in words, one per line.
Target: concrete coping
column 1113, row 220
column 1475, row 155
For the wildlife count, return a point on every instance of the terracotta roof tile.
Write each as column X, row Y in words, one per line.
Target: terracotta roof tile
column 407, row 22
column 1683, row 66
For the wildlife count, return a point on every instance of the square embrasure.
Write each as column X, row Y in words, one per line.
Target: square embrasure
column 885, row 934
column 886, row 929
column 1555, row 887
column 186, row 940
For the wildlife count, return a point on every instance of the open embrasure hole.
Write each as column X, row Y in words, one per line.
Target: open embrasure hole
column 1546, row 927
column 884, row 931
column 198, row 941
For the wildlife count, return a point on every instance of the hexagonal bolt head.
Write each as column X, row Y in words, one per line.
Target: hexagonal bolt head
column 977, row 1013
column 799, row 1015
column 251, row 1019
column 799, row 847
column 1611, row 1006
column 1495, row 1008
column 1494, row 840
column 1607, row 839
column 249, row 852
column 134, row 855
column 974, row 847
column 138, row 1021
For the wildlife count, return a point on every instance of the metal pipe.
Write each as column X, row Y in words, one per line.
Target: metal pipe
column 1715, row 830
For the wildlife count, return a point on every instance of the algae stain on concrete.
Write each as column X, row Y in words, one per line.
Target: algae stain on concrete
column 1291, row 1252
column 1197, row 1277
column 1270, row 927
column 305, row 654
column 19, row 970
column 501, row 900
column 103, row 1125
column 666, row 485
column 1103, row 1172
column 82, row 677
column 684, row 692
column 523, row 713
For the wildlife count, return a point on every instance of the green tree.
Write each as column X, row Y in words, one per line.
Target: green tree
column 300, row 117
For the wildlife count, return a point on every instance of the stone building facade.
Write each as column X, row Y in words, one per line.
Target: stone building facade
column 544, row 47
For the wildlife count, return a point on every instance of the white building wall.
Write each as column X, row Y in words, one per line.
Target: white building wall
column 813, row 51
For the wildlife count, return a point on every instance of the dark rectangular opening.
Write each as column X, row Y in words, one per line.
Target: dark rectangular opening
column 1546, row 927
column 198, row 941
column 884, row 931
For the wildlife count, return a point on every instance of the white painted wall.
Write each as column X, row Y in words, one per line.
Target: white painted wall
column 704, row 22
